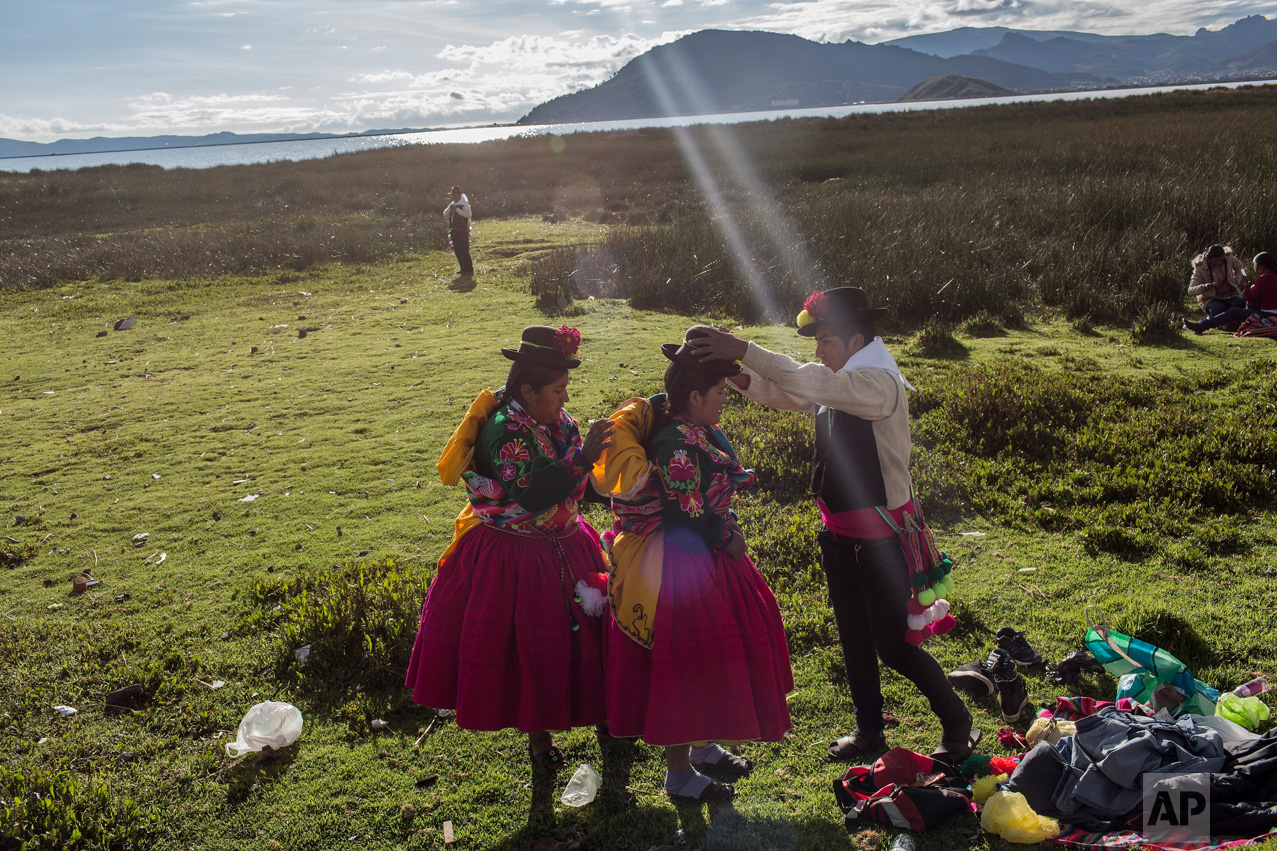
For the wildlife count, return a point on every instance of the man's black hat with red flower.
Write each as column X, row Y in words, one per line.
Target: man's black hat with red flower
column 841, row 306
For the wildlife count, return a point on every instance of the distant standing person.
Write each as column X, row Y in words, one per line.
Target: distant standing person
column 1218, row 280
column 1261, row 297
column 458, row 214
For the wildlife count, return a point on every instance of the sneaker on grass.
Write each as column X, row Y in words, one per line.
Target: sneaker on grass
column 1013, row 697
column 1017, row 647
column 980, row 678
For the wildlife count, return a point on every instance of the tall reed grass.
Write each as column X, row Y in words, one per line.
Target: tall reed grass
column 1093, row 208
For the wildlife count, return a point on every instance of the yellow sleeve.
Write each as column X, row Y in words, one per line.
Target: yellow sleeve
column 623, row 467
column 459, row 453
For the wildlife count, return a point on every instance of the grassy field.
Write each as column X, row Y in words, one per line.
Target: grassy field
column 241, row 489
column 166, row 429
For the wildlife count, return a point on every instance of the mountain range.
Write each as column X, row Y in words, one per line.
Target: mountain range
column 735, row 71
column 99, row 144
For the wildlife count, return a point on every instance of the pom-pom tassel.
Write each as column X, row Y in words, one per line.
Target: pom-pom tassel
column 591, row 594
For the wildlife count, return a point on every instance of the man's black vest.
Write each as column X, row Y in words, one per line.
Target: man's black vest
column 846, row 473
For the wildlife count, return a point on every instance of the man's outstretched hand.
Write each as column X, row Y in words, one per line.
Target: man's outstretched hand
column 718, row 345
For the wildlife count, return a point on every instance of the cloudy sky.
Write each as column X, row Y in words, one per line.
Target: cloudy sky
column 81, row 68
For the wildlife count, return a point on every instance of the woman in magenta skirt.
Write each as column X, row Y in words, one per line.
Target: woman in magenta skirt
column 696, row 648
column 505, row 639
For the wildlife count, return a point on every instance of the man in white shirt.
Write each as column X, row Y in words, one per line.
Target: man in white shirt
column 861, row 465
column 458, row 215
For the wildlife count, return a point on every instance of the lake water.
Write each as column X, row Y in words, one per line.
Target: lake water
column 208, row 156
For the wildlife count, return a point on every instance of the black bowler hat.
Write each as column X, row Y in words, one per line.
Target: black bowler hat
column 685, row 356
column 841, row 306
column 542, row 345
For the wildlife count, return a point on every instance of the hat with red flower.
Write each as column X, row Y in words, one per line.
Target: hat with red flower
column 841, row 306
column 544, row 345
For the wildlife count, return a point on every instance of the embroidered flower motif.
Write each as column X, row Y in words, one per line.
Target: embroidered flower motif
column 680, row 468
column 507, row 472
column 692, row 502
column 514, row 451
column 816, row 305
column 567, row 341
column 693, row 436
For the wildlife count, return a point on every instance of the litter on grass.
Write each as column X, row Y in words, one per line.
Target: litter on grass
column 270, row 724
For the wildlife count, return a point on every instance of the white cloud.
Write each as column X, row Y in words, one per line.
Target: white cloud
column 15, row 127
column 881, row 20
column 384, row 77
column 245, row 47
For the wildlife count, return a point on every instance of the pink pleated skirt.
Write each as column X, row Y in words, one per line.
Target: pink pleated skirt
column 496, row 642
column 719, row 666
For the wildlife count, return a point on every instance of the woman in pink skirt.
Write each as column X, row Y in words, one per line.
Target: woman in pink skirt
column 696, row 648
column 504, row 638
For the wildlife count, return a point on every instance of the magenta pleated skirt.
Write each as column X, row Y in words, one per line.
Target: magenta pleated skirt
column 719, row 667
column 496, row 643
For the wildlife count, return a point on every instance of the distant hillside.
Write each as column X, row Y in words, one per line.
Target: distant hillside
column 719, row 71
column 1257, row 62
column 16, row 148
column 1139, row 57
column 970, row 39
column 954, row 86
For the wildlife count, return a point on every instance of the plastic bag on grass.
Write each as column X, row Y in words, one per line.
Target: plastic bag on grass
column 271, row 723
column 1009, row 815
column 1250, row 712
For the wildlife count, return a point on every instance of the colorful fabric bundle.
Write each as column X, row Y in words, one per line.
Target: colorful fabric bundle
column 1259, row 325
column 1142, row 667
column 902, row 789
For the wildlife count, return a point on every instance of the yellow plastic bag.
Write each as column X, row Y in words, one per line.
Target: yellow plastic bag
column 1009, row 815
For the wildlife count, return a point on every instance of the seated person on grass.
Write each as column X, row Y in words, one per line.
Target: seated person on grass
column 1218, row 280
column 1261, row 297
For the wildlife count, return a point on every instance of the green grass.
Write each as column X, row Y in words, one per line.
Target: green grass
column 338, row 433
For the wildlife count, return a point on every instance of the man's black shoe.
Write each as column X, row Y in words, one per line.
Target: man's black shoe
column 979, row 678
column 1013, row 697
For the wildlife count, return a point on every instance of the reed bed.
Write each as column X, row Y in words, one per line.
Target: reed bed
column 1092, row 208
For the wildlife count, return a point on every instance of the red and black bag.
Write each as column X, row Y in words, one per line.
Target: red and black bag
column 903, row 789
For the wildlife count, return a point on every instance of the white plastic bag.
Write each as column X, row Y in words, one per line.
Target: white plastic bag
column 582, row 787
column 271, row 723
